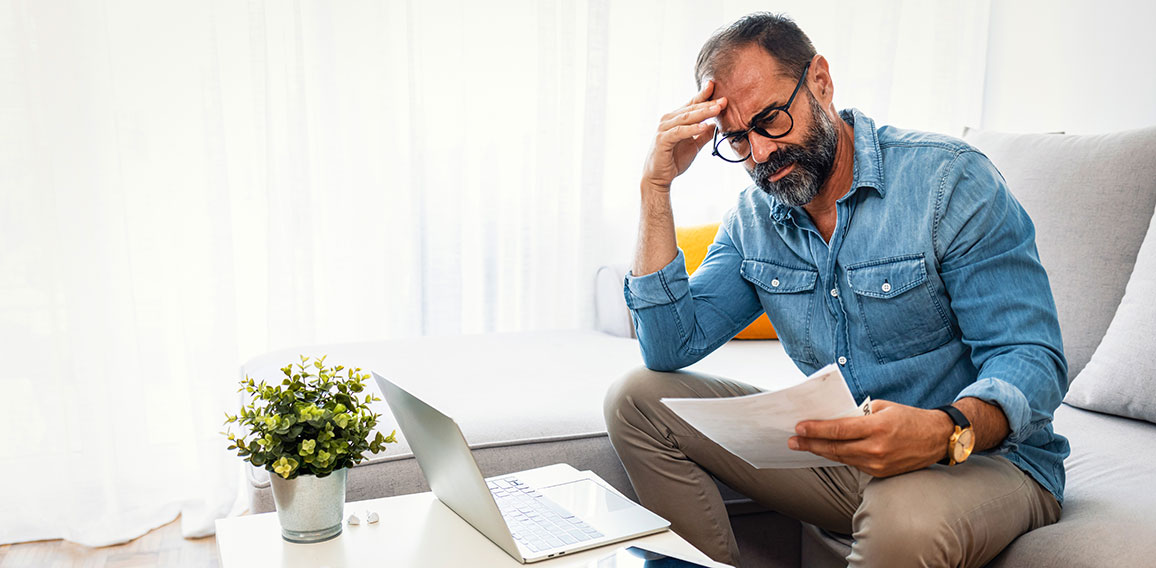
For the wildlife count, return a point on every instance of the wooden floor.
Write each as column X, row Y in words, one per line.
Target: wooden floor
column 160, row 547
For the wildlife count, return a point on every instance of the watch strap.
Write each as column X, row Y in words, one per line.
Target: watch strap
column 961, row 423
column 956, row 416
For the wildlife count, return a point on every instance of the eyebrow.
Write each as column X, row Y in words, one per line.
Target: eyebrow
column 758, row 117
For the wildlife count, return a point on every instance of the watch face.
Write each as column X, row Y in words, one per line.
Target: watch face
column 963, row 445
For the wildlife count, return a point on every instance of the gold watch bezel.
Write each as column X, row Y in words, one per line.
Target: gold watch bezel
column 960, row 445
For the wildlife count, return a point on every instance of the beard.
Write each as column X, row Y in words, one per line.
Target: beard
column 813, row 161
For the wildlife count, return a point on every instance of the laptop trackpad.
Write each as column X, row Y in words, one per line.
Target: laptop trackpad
column 586, row 499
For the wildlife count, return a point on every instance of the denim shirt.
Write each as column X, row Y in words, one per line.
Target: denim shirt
column 930, row 290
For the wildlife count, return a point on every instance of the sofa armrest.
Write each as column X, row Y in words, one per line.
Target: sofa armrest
column 610, row 312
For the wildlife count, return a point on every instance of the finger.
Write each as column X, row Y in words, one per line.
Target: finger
column 693, row 113
column 853, row 428
column 704, row 94
column 855, row 452
column 705, row 138
column 861, row 454
column 831, row 450
column 668, row 138
column 690, row 117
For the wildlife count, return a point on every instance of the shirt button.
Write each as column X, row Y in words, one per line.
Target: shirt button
column 842, row 360
column 834, row 292
column 775, row 282
column 886, row 286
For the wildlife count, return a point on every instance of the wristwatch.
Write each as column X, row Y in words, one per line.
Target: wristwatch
column 962, row 440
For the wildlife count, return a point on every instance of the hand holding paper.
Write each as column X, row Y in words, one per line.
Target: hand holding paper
column 756, row 427
column 895, row 439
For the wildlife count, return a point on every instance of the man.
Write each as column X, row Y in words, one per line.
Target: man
column 899, row 255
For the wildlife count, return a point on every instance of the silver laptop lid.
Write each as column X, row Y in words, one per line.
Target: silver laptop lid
column 444, row 457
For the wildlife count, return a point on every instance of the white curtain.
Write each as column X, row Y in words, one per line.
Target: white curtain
column 189, row 184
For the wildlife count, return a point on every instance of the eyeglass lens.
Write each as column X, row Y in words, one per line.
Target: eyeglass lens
column 737, row 146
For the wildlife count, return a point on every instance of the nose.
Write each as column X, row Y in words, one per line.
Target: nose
column 761, row 147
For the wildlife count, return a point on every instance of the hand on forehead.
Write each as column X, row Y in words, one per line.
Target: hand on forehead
column 751, row 81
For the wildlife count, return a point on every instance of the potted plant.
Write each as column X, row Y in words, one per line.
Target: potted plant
column 307, row 430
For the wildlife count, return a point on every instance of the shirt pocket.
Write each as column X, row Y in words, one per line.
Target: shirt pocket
column 787, row 295
column 898, row 308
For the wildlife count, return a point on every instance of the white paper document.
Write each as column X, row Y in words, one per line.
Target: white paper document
column 756, row 427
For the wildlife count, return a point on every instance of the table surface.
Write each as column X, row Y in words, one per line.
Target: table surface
column 414, row 530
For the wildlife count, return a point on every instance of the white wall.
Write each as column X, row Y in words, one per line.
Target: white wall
column 1078, row 66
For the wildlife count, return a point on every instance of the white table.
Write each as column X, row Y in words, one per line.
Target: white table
column 415, row 530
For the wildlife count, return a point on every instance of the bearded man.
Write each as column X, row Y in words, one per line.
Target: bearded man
column 900, row 256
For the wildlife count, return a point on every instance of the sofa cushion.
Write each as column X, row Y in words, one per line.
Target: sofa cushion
column 1109, row 514
column 1091, row 198
column 1121, row 377
column 695, row 241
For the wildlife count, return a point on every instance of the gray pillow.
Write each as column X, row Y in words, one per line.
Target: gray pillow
column 1091, row 198
column 1120, row 378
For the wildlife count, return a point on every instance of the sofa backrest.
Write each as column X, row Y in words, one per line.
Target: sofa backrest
column 1091, row 198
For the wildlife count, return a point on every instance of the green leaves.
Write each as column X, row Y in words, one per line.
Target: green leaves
column 310, row 414
column 307, row 447
column 285, row 466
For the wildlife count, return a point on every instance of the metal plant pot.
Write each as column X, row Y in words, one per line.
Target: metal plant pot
column 310, row 508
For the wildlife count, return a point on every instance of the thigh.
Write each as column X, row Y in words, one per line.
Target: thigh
column 827, row 497
column 823, row 496
column 948, row 516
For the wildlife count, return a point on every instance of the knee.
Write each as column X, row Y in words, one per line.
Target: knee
column 903, row 540
column 902, row 532
column 637, row 389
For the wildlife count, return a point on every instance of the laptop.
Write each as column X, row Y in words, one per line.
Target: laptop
column 532, row 515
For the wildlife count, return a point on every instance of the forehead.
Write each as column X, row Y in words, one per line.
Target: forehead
column 752, row 81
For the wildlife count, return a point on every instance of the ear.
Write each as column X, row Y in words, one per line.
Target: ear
column 820, row 80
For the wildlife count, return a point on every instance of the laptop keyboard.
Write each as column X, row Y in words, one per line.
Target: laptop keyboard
column 535, row 521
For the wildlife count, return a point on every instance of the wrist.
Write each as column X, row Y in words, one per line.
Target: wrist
column 961, row 442
column 941, row 433
column 650, row 187
column 987, row 420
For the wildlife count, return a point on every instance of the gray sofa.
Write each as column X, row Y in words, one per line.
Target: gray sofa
column 529, row 399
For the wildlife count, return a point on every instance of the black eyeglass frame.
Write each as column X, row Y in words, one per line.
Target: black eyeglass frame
column 785, row 109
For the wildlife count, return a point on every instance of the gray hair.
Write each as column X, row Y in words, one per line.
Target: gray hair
column 777, row 34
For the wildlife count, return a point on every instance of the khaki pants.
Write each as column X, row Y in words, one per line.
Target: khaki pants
column 940, row 516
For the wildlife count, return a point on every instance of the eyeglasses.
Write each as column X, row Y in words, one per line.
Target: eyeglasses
column 772, row 122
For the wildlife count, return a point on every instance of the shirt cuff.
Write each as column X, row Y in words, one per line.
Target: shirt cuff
column 1015, row 407
column 666, row 286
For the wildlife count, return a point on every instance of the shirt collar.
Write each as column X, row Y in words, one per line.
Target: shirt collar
column 868, row 158
column 868, row 167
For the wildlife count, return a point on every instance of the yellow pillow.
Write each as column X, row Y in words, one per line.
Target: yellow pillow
column 694, row 241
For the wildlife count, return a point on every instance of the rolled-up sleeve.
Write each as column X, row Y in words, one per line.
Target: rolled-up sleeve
column 660, row 288
column 1015, row 406
column 1001, row 296
column 680, row 319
